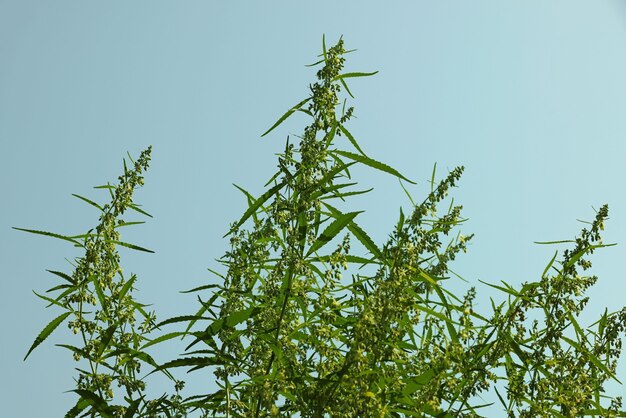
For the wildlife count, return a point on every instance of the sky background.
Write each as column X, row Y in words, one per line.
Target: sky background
column 528, row 96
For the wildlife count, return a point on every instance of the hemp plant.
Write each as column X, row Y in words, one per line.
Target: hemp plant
column 312, row 318
column 100, row 309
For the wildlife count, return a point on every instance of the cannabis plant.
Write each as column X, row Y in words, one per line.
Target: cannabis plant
column 309, row 317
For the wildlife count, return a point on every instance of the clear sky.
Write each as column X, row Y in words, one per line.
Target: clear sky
column 528, row 95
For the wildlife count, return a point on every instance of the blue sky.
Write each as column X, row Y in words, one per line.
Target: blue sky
column 528, row 96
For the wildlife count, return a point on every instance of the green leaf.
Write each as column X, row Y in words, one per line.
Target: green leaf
column 106, row 338
column 45, row 333
column 132, row 408
column 91, row 202
column 602, row 322
column 449, row 321
column 98, row 404
column 432, row 178
column 543, row 275
column 315, row 63
column 400, row 223
column 365, row 239
column 129, row 224
column 353, row 75
column 351, row 139
column 345, row 85
column 182, row 318
column 63, row 276
column 508, row 290
column 50, row 234
column 162, row 338
column 136, row 208
column 239, row 316
column 554, row 242
column 418, row 382
column 360, row 234
column 286, row 115
column 127, row 286
column 349, row 258
column 341, row 196
column 75, row 410
column 74, row 349
column 331, row 231
column 99, row 292
column 257, row 203
column 230, row 321
column 190, row 361
column 132, row 246
column 59, row 287
column 372, row 163
column 54, row 301
column 591, row 357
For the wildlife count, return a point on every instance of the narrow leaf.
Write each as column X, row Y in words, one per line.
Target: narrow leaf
column 545, row 271
column 372, row 163
column 63, row 276
column 132, row 246
column 47, row 331
column 285, row 116
column 331, row 231
column 49, row 234
column 353, row 75
column 182, row 318
column 351, row 139
column 127, row 286
column 106, row 338
column 252, row 209
column 162, row 338
column 190, row 361
column 91, row 202
column 98, row 404
column 136, row 208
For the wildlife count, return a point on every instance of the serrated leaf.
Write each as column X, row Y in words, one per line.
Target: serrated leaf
column 106, row 338
column 545, row 271
column 136, row 208
column 257, row 203
column 351, row 139
column 162, row 338
column 349, row 258
column 99, row 292
column 591, row 357
column 418, row 382
column 372, row 163
column 63, row 276
column 361, row 235
column 98, row 404
column 285, row 116
column 203, row 287
column 182, row 318
column 129, row 224
column 91, row 202
column 132, row 246
column 132, row 408
column 127, row 286
column 189, row 362
column 345, row 85
column 331, row 231
column 49, row 234
column 54, row 301
column 554, row 242
column 353, row 75
column 45, row 333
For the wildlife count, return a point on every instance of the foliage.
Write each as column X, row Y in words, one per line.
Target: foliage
column 302, row 324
